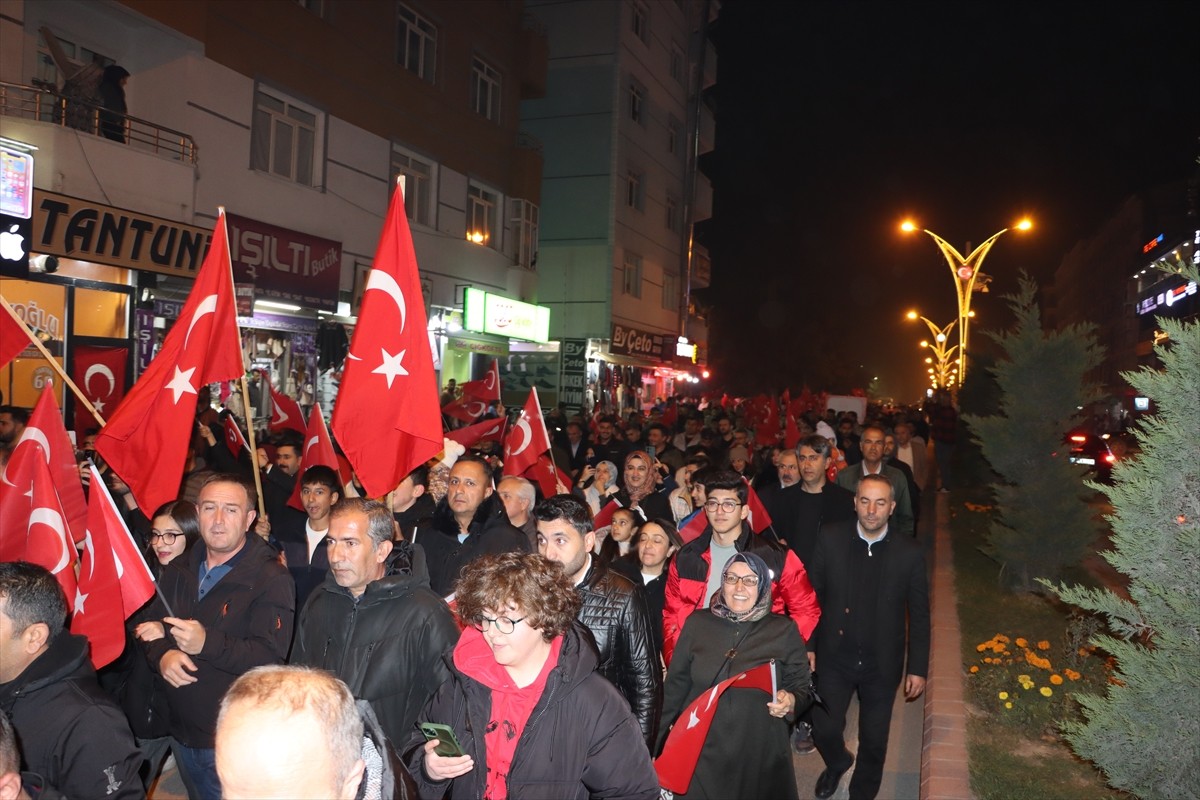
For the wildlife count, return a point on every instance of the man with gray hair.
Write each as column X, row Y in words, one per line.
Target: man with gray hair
column 374, row 622
column 519, row 498
column 289, row 732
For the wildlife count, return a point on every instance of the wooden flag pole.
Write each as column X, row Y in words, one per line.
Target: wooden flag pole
column 62, row 373
column 262, row 506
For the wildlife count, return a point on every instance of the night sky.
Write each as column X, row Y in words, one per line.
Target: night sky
column 835, row 120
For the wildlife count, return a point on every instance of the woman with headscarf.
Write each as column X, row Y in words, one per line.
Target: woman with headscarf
column 599, row 483
column 747, row 753
column 640, row 489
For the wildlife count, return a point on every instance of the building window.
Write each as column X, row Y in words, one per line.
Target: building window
column 632, row 284
column 637, row 103
column 677, row 62
column 641, row 21
column 672, row 215
column 481, row 216
column 283, row 140
column 673, row 136
column 525, row 221
column 635, row 194
column 670, row 296
column 485, row 89
column 418, row 185
column 416, row 43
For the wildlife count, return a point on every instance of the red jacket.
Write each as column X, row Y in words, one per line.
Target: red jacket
column 687, row 581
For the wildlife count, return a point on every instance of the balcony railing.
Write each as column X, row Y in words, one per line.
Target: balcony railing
column 31, row 102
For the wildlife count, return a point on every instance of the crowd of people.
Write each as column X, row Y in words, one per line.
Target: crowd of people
column 466, row 636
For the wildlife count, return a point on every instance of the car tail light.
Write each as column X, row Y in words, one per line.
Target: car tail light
column 1110, row 458
column 1078, row 438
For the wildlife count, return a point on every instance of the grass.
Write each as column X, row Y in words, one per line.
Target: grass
column 1015, row 752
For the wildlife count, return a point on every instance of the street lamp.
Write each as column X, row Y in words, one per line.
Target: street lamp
column 966, row 271
column 942, row 373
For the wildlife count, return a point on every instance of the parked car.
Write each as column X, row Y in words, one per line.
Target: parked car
column 1092, row 451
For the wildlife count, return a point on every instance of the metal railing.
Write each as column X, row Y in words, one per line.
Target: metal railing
column 527, row 141
column 43, row 105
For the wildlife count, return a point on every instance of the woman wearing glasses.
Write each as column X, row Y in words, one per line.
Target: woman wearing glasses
column 533, row 718
column 747, row 752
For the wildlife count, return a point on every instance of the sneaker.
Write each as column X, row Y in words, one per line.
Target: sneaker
column 802, row 741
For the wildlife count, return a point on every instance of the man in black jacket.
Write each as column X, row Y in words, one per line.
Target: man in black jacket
column 412, row 507
column 614, row 609
column 468, row 522
column 72, row 734
column 871, row 581
column 233, row 605
column 375, row 623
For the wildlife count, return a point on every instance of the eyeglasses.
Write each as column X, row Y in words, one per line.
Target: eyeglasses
column 503, row 624
column 746, row 580
column 167, row 538
column 728, row 506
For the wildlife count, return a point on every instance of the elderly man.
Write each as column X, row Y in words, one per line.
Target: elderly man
column 468, row 522
column 872, row 443
column 73, row 735
column 613, row 609
column 233, row 607
column 375, row 623
column 519, row 497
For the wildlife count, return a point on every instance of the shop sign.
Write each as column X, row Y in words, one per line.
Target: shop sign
column 16, row 182
column 143, row 321
column 497, row 349
column 15, row 236
column 502, row 316
column 278, row 322
column 73, row 228
column 629, row 341
column 244, row 297
column 1165, row 295
column 285, row 265
column 574, row 374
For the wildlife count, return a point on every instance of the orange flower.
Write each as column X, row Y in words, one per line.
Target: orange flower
column 1072, row 674
column 1021, row 642
column 1056, row 679
column 1043, row 645
column 974, row 668
column 981, row 647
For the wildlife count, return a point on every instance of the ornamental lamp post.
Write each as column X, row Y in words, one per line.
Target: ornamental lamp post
column 945, row 367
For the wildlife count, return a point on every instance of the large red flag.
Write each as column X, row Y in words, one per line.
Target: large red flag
column 97, row 610
column 318, row 451
column 681, row 751
column 285, row 412
column 490, row 430
column 34, row 527
column 137, row 584
column 47, row 437
column 791, row 436
column 146, row 441
column 13, row 339
column 605, row 514
column 548, row 476
column 100, row 373
column 386, row 418
column 467, row 409
column 486, row 388
column 234, row 439
column 766, row 431
column 527, row 439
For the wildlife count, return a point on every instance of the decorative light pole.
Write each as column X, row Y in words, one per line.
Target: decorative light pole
column 966, row 271
column 945, row 367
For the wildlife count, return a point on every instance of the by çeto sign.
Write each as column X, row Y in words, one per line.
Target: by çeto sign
column 633, row 342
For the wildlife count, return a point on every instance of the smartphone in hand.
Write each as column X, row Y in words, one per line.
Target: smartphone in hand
column 448, row 745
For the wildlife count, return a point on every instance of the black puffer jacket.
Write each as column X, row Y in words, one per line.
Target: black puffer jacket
column 490, row 532
column 72, row 734
column 580, row 742
column 387, row 646
column 614, row 611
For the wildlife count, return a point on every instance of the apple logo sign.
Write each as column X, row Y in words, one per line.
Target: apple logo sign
column 15, row 233
column 12, row 244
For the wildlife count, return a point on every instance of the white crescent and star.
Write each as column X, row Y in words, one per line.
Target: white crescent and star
column 51, row 518
column 471, row 406
column 309, row 445
column 390, row 365
column 489, row 382
column 526, row 438
column 181, row 383
column 99, row 369
column 207, row 306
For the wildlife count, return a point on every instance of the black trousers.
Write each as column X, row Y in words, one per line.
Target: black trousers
column 875, row 700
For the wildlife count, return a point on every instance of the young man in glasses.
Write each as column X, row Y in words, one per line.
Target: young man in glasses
column 693, row 580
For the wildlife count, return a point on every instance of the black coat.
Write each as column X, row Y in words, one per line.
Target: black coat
column 656, row 505
column 72, row 734
column 247, row 619
column 747, row 752
column 902, row 602
column 490, row 532
column 581, row 740
column 387, row 647
column 614, row 610
column 418, row 515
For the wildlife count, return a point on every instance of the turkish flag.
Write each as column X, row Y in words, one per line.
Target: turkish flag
column 694, row 527
column 100, row 373
column 467, row 409
column 604, row 516
column 318, row 450
column 386, row 418
column 234, row 439
column 146, row 441
column 759, row 519
column 681, row 751
column 791, row 436
column 35, row 529
column 486, row 388
column 13, row 339
column 766, row 432
column 527, row 439
column 285, row 412
column 45, row 437
column 547, row 476
column 490, row 430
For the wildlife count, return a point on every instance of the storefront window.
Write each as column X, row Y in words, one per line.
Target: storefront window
column 99, row 313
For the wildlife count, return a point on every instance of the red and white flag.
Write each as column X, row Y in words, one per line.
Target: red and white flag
column 285, row 412
column 486, row 388
column 467, row 409
column 34, row 525
column 759, row 519
column 681, row 751
column 604, row 516
column 490, row 430
column 791, row 436
column 318, row 451
column 100, row 373
column 527, row 439
column 146, row 441
column 13, row 339
column 386, row 418
column 694, row 527
column 547, row 476
column 234, row 439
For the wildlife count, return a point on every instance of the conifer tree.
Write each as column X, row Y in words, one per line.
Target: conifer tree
column 1043, row 523
column 1144, row 733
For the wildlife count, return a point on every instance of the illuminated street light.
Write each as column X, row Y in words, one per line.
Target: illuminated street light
column 941, row 374
column 967, row 271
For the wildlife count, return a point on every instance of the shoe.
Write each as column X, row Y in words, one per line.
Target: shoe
column 802, row 741
column 827, row 782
